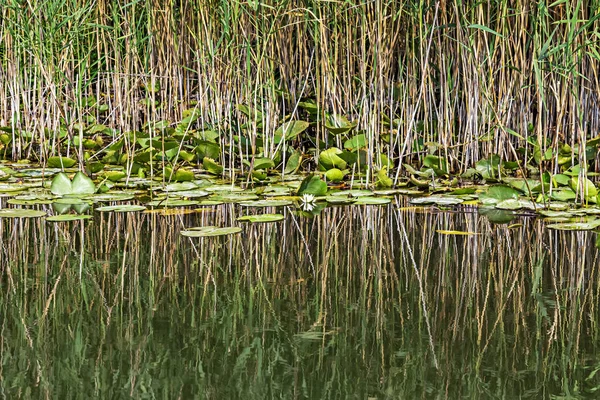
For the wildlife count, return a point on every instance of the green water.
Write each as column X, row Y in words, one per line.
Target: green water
column 356, row 303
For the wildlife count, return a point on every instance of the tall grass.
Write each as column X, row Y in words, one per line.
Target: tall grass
column 467, row 78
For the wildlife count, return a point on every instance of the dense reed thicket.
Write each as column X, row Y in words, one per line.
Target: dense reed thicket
column 464, row 79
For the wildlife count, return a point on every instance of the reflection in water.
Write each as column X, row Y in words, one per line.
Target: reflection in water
column 357, row 302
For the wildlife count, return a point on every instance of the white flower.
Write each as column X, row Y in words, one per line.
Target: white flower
column 308, row 202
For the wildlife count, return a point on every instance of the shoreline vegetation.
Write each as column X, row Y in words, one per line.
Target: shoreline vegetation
column 387, row 93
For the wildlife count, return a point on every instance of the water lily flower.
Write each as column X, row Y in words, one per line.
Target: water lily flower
column 308, row 202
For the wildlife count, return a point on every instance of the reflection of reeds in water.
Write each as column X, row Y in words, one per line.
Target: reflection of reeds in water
column 322, row 307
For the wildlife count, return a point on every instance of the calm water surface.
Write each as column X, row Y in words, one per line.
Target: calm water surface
column 366, row 302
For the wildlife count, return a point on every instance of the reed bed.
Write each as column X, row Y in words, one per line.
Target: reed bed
column 467, row 79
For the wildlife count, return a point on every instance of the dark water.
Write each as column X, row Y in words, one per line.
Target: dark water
column 356, row 303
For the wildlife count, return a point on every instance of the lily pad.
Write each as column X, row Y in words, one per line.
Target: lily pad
column 68, row 217
column 193, row 193
column 372, row 201
column 170, row 202
column 575, row 226
column 439, row 200
column 498, row 193
column 11, row 188
column 180, row 186
column 207, row 231
column 261, row 218
column 21, row 213
column 516, row 204
column 121, row 208
column 105, row 197
column 340, row 200
column 266, row 203
column 81, row 184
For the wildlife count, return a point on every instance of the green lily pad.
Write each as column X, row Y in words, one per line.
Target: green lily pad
column 180, row 186
column 193, row 193
column 372, row 201
column 121, row 208
column 234, row 197
column 261, row 218
column 516, row 204
column 81, row 184
column 496, row 194
column 439, row 200
column 21, row 213
column 340, row 200
column 170, row 202
column 266, row 203
column 106, row 197
column 68, row 217
column 207, row 231
column 353, row 193
column 223, row 188
column 575, row 226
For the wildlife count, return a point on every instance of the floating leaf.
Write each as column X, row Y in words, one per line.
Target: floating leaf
column 68, row 217
column 266, row 203
column 169, row 202
column 61, row 184
column 371, row 201
column 575, row 226
column 207, row 231
column 340, row 200
column 261, row 218
column 439, row 200
column 20, row 213
column 516, row 204
column 193, row 193
column 82, row 184
column 496, row 194
column 121, row 208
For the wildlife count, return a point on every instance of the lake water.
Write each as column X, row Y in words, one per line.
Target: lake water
column 369, row 302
